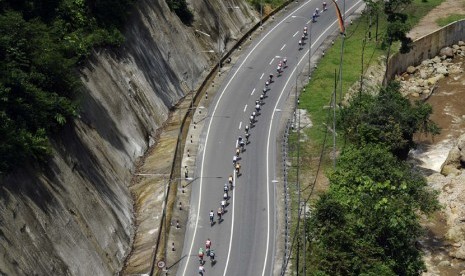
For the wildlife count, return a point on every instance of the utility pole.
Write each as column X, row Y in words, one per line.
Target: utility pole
column 334, row 120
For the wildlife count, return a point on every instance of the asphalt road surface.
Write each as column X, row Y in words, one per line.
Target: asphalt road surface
column 244, row 241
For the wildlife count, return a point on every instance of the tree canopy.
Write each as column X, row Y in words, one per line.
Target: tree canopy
column 42, row 43
column 386, row 118
column 367, row 223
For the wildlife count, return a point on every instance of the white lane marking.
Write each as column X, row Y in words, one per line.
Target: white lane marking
column 295, row 33
column 262, row 75
column 271, row 61
column 245, row 107
column 282, row 47
column 205, row 146
column 252, row 92
column 240, row 124
column 308, row 22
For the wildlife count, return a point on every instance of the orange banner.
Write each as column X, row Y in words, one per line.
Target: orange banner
column 339, row 17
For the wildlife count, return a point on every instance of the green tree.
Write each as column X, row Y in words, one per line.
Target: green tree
column 368, row 222
column 387, row 118
column 42, row 44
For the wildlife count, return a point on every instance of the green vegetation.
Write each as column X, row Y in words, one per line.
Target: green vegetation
column 182, row 11
column 41, row 45
column 387, row 119
column 318, row 92
column 367, row 222
column 449, row 19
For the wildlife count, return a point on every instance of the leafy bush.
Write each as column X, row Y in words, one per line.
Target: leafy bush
column 41, row 45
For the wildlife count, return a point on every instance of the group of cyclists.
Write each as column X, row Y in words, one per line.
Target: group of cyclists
column 240, row 147
column 209, row 252
column 314, row 17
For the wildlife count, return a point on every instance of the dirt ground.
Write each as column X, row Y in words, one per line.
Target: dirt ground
column 428, row 23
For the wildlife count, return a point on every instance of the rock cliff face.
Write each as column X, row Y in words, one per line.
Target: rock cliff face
column 74, row 215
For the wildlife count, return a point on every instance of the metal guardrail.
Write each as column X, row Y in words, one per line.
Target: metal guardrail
column 287, row 213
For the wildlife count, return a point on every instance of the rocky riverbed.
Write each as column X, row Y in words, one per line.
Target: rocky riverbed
column 441, row 81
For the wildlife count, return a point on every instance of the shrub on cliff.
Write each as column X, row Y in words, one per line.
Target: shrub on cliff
column 41, row 45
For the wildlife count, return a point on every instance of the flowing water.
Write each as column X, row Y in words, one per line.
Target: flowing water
column 448, row 102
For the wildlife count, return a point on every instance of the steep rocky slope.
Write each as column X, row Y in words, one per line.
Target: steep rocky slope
column 74, row 215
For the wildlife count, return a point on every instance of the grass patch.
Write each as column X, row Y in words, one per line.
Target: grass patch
column 317, row 93
column 449, row 19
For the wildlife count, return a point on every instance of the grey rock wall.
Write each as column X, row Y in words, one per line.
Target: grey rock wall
column 74, row 215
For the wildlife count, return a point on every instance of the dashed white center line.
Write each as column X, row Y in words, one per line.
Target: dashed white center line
column 271, row 61
column 252, row 92
column 295, row 33
column 245, row 107
column 262, row 75
column 240, row 124
column 308, row 22
column 282, row 47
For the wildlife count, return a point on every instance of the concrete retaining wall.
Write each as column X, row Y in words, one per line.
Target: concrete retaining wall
column 425, row 48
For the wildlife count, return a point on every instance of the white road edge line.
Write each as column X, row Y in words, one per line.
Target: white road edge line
column 282, row 47
column 245, row 107
column 205, row 146
column 295, row 33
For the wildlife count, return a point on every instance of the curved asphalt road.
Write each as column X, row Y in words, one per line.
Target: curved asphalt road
column 244, row 242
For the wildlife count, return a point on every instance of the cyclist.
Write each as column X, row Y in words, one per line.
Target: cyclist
column 251, row 119
column 201, row 270
column 225, row 188
column 212, row 255
column 223, row 205
column 317, row 12
column 242, row 144
column 246, row 129
column 234, row 160
column 324, row 6
column 208, row 244
column 238, row 167
column 219, row 213
column 238, row 151
column 247, row 137
column 267, row 83
column 257, row 107
column 230, row 178
column 314, row 17
column 271, row 77
column 225, row 196
column 300, row 44
column 201, row 255
column 211, row 216
column 284, row 62
column 261, row 99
